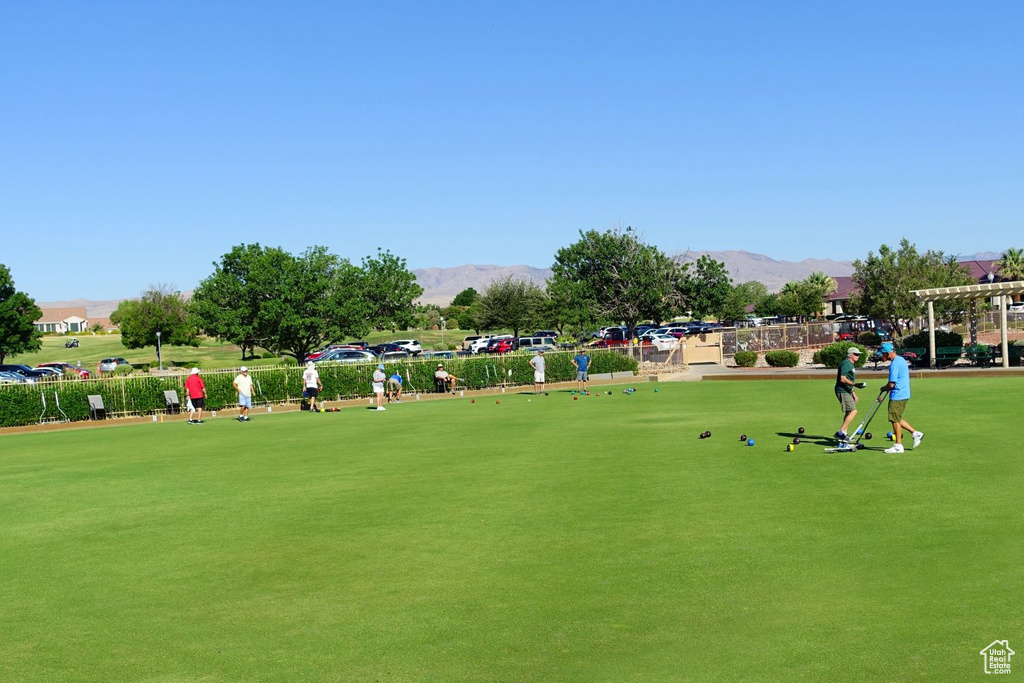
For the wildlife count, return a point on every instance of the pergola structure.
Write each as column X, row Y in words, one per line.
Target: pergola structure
column 1001, row 290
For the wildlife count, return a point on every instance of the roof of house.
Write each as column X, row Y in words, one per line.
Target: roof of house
column 56, row 315
column 979, row 270
column 844, row 288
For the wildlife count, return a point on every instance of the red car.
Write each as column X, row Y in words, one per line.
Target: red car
column 61, row 365
column 501, row 346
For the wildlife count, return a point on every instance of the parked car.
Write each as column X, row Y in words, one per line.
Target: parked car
column 410, row 345
column 439, row 354
column 614, row 336
column 111, row 364
column 14, row 378
column 468, row 341
column 502, row 345
column 347, row 356
column 479, row 344
column 27, row 372
column 51, row 373
column 394, row 356
column 71, row 343
column 64, row 366
column 545, row 333
column 385, row 348
column 662, row 342
column 547, row 343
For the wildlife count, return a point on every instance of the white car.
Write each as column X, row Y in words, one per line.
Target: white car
column 664, row 342
column 410, row 345
column 479, row 345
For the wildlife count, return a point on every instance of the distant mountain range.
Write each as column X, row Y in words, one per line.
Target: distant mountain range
column 440, row 285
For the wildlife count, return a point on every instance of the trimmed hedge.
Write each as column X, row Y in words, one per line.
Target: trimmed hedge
column 140, row 394
column 832, row 356
column 782, row 359
column 868, row 339
column 745, row 359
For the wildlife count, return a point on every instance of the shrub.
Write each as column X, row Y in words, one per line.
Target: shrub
column 746, row 359
column 920, row 339
column 868, row 338
column 269, row 355
column 124, row 370
column 832, row 356
column 782, row 359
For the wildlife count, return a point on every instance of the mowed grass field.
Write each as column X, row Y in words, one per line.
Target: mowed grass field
column 539, row 539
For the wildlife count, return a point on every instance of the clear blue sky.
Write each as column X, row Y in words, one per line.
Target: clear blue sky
column 141, row 141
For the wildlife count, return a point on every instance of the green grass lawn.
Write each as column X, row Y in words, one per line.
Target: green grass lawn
column 542, row 539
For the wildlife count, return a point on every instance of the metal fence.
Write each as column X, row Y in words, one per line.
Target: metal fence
column 776, row 337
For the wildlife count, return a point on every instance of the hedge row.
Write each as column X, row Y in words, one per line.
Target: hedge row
column 143, row 395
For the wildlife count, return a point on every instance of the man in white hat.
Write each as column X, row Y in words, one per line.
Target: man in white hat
column 378, row 385
column 243, row 385
column 195, row 390
column 846, row 381
column 311, row 384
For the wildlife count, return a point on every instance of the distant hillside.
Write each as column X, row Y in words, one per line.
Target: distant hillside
column 440, row 285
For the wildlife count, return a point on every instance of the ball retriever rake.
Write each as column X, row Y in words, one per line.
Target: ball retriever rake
column 854, row 444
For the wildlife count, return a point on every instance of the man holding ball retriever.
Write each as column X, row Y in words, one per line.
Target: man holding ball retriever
column 899, row 393
column 846, row 381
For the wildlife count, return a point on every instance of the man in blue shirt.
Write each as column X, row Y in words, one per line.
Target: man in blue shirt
column 582, row 362
column 899, row 393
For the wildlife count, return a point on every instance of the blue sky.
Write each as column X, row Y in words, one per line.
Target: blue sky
column 141, row 141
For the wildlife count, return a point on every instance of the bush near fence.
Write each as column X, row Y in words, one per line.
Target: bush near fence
column 144, row 394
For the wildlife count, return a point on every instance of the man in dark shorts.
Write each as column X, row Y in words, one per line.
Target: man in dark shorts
column 846, row 381
column 394, row 388
column 195, row 389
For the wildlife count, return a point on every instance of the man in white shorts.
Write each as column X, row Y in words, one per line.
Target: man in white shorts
column 243, row 385
column 378, row 386
column 537, row 363
column 311, row 384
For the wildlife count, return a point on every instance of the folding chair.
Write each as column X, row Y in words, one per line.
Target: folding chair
column 96, row 409
column 172, row 402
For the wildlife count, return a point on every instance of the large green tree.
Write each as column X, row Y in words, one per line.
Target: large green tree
column 389, row 291
column 465, row 298
column 740, row 297
column 18, row 313
column 159, row 309
column 1011, row 266
column 511, row 303
column 614, row 276
column 885, row 281
column 707, row 287
column 282, row 302
column 228, row 303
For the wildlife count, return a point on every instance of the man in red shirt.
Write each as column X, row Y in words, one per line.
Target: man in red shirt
column 196, row 390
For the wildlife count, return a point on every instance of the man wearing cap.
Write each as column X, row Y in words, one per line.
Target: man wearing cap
column 195, row 389
column 537, row 363
column 395, row 387
column 378, row 386
column 443, row 381
column 243, row 385
column 899, row 393
column 311, row 384
column 846, row 382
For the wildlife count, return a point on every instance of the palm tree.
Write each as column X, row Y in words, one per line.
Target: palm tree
column 1011, row 266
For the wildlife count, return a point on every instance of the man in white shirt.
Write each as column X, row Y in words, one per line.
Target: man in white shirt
column 243, row 385
column 378, row 386
column 311, row 384
column 537, row 363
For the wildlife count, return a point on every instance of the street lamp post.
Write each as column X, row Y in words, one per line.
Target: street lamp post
column 442, row 330
column 159, row 356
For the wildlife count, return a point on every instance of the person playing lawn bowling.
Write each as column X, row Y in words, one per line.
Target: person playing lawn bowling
column 581, row 362
column 395, row 388
column 243, row 385
column 899, row 393
column 311, row 384
column 537, row 363
column 846, row 381
column 378, row 386
column 195, row 389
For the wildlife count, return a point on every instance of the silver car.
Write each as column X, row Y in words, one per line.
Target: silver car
column 347, row 356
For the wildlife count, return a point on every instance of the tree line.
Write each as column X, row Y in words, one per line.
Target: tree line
column 293, row 304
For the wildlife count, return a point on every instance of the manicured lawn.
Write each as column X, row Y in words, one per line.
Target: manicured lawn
column 542, row 539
